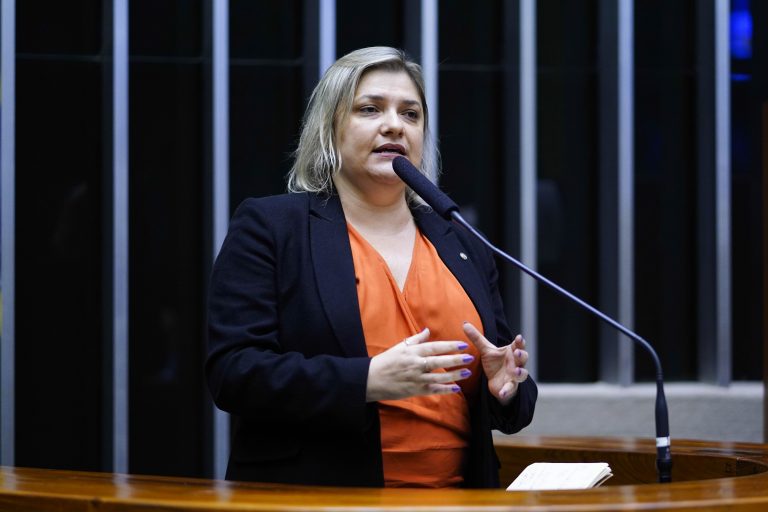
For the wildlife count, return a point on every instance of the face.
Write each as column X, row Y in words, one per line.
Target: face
column 386, row 121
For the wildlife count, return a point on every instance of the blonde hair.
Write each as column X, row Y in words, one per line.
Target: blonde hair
column 317, row 157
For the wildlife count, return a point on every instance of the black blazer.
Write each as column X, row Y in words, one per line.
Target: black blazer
column 287, row 357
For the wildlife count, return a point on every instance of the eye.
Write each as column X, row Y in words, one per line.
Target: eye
column 368, row 109
column 413, row 115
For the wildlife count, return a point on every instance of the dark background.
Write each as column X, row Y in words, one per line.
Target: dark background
column 63, row 200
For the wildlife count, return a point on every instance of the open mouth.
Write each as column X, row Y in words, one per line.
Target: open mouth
column 395, row 149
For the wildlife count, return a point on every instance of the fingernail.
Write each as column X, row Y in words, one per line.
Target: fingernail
column 503, row 393
column 468, row 358
column 455, row 389
column 518, row 371
column 462, row 346
column 465, row 373
column 424, row 330
column 518, row 353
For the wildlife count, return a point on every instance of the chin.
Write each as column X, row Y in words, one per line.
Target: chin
column 386, row 176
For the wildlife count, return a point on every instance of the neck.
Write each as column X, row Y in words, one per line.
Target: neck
column 384, row 211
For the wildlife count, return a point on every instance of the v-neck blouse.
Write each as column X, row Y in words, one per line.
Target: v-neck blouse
column 424, row 438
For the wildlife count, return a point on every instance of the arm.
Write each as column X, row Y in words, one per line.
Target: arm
column 513, row 392
column 251, row 370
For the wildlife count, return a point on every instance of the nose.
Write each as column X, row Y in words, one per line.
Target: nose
column 391, row 122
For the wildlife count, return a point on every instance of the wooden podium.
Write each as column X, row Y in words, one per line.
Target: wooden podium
column 707, row 476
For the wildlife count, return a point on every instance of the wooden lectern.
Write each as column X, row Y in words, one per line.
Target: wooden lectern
column 706, row 476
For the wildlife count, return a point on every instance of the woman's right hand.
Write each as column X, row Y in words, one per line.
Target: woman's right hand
column 408, row 369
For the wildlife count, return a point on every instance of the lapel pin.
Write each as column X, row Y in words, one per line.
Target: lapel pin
column 463, row 256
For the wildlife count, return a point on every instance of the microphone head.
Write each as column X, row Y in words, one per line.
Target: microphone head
column 428, row 191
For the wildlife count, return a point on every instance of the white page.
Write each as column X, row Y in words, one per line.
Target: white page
column 561, row 475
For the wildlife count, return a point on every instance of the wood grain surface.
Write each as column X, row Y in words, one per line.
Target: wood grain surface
column 707, row 476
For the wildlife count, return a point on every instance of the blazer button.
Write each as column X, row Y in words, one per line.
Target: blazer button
column 463, row 256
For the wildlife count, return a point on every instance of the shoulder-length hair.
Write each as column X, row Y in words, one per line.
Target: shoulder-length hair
column 317, row 158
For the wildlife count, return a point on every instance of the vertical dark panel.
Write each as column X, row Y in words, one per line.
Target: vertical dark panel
column 48, row 27
column 267, row 84
column 567, row 157
column 168, row 409
column 749, row 91
column 511, row 148
column 172, row 28
column 479, row 118
column 665, row 184
column 59, row 235
column 471, row 114
column 470, row 144
column 765, row 271
column 356, row 26
column 264, row 128
column 267, row 30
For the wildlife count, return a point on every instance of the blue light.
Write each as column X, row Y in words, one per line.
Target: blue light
column 741, row 30
column 740, row 77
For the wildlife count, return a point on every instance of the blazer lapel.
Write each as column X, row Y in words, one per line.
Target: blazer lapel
column 335, row 272
column 458, row 260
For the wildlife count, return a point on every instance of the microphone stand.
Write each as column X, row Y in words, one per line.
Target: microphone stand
column 663, row 454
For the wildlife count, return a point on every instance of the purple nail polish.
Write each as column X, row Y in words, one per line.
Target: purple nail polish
column 518, row 371
column 455, row 389
column 465, row 373
column 467, row 358
column 462, row 346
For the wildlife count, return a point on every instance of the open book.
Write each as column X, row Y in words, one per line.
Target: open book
column 541, row 476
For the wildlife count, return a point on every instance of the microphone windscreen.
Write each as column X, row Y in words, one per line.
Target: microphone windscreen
column 428, row 191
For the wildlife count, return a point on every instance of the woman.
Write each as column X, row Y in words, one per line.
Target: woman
column 349, row 324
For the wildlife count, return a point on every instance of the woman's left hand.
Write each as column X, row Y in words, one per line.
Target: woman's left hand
column 503, row 366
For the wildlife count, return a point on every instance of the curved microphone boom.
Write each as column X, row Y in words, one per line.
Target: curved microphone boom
column 449, row 210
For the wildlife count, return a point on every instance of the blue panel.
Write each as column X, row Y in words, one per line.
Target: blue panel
column 741, row 30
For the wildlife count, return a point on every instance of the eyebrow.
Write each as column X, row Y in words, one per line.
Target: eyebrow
column 378, row 97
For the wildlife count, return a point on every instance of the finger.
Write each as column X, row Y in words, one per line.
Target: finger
column 517, row 374
column 521, row 357
column 512, row 366
column 518, row 342
column 508, row 390
column 451, row 361
column 477, row 339
column 441, row 347
column 417, row 338
column 442, row 389
column 521, row 374
column 447, row 377
column 511, row 369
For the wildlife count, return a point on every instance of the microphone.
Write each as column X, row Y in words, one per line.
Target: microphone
column 449, row 210
column 433, row 196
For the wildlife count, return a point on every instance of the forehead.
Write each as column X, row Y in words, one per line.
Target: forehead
column 379, row 82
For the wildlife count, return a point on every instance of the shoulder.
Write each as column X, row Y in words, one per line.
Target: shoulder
column 282, row 203
column 271, row 212
column 286, row 217
column 261, row 227
column 287, row 206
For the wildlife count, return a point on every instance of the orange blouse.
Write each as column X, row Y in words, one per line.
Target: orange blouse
column 424, row 439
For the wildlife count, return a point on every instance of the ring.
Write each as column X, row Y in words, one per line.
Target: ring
column 424, row 363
